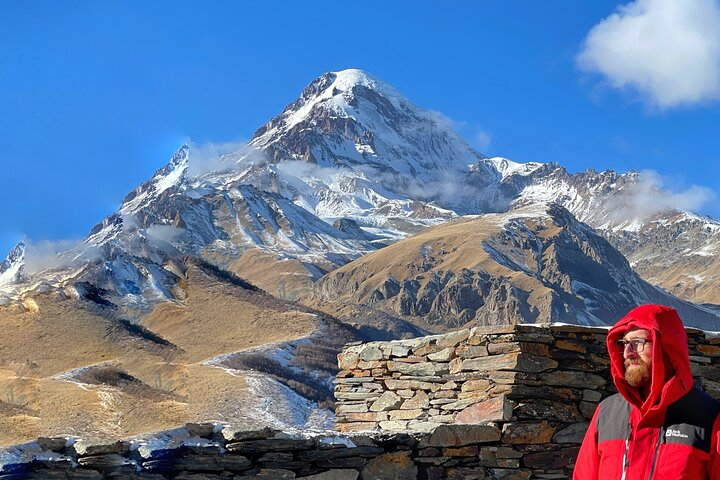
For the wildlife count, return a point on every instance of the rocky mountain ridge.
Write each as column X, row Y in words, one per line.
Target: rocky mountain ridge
column 347, row 168
column 532, row 264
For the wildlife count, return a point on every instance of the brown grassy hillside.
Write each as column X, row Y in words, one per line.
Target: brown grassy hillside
column 69, row 367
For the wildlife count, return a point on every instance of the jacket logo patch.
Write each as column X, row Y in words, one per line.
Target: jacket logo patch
column 686, row 434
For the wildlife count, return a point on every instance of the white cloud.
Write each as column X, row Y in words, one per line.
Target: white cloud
column 165, row 233
column 652, row 193
column 53, row 254
column 446, row 122
column 482, row 139
column 666, row 50
column 479, row 138
column 219, row 157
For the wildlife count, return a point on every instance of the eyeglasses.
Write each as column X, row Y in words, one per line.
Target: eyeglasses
column 636, row 344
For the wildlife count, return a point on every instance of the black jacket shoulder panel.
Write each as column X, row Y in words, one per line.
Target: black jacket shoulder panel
column 690, row 420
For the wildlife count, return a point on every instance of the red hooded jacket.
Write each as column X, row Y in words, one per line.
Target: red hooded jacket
column 674, row 433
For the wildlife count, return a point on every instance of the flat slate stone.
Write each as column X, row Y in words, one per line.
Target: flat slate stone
column 387, row 401
column 523, row 433
column 548, row 410
column 352, row 408
column 405, row 414
column 452, row 339
column 394, row 465
column 554, row 459
column 461, row 435
column 235, row 434
column 109, row 461
column 276, row 457
column 84, row 449
column 202, row 430
column 498, row 409
column 416, row 369
column 465, row 351
column 269, row 445
column 348, row 360
column 335, row 453
column 355, row 426
column 566, row 378
column 371, row 352
column 54, row 444
column 571, row 434
column 419, row 400
column 335, row 474
column 393, row 384
column 444, row 355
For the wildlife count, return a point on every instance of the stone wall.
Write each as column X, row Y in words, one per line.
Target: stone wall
column 205, row 452
column 539, row 386
column 487, row 403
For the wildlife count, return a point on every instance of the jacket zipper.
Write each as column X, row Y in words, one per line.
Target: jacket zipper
column 626, row 460
column 657, row 449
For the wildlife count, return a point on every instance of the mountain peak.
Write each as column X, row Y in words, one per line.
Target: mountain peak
column 347, row 79
column 11, row 269
column 348, row 118
column 167, row 177
column 331, row 83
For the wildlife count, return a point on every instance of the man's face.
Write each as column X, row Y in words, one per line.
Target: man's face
column 638, row 360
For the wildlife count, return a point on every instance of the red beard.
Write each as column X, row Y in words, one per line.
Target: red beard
column 637, row 372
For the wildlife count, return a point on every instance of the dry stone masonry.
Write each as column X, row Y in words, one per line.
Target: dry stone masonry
column 507, row 402
column 536, row 386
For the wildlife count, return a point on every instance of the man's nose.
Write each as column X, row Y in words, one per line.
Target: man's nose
column 629, row 352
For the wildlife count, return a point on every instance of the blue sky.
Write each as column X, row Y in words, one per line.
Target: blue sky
column 96, row 96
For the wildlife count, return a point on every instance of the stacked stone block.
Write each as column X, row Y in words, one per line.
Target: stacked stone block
column 203, row 453
column 538, row 385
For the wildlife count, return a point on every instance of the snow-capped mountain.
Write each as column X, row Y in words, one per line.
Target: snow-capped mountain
column 347, row 168
column 678, row 251
column 668, row 247
column 11, row 269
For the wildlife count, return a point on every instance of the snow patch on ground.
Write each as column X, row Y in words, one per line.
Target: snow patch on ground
column 706, row 251
column 280, row 407
column 530, row 211
column 26, row 452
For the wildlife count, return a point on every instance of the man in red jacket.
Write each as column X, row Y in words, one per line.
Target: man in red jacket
column 658, row 426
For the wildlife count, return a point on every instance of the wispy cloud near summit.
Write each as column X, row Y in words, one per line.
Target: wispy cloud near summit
column 654, row 193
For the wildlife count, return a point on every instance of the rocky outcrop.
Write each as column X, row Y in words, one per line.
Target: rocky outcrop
column 536, row 264
column 676, row 251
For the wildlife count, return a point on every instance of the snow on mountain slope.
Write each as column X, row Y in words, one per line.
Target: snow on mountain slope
column 350, row 151
column 11, row 269
column 348, row 118
column 532, row 264
column 665, row 245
